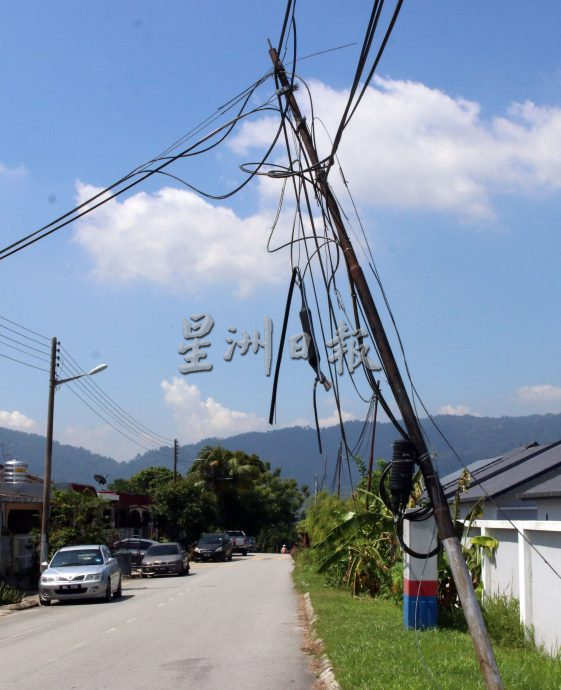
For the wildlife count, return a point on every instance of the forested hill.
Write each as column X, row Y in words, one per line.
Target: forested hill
column 295, row 450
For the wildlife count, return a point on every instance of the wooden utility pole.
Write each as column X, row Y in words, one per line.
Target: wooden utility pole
column 440, row 506
column 175, row 454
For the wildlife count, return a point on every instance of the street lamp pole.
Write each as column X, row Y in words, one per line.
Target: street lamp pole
column 53, row 383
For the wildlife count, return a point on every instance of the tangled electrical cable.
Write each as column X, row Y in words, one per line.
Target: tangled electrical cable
column 401, row 471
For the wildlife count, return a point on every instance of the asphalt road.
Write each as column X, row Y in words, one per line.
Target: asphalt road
column 227, row 626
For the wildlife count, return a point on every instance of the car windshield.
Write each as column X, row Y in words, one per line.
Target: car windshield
column 236, row 533
column 77, row 557
column 211, row 539
column 162, row 550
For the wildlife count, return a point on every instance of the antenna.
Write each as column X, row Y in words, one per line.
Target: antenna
column 101, row 479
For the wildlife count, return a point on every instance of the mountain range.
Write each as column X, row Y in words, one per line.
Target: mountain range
column 295, row 450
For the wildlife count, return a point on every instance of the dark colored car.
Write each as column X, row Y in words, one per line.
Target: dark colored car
column 136, row 546
column 165, row 559
column 213, row 546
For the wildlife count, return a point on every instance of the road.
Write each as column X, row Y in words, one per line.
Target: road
column 227, row 626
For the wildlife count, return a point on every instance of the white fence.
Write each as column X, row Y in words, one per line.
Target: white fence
column 527, row 565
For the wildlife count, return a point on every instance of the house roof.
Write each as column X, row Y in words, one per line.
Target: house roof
column 550, row 488
column 27, row 490
column 496, row 476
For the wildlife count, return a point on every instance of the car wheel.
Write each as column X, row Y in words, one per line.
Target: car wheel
column 244, row 553
column 119, row 590
column 44, row 602
column 107, row 596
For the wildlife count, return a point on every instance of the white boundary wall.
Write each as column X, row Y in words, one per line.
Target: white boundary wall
column 525, row 566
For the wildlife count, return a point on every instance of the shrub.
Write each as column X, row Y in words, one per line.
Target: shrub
column 502, row 618
column 10, row 595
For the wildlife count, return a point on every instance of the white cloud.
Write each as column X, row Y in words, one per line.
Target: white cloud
column 540, row 395
column 333, row 418
column 199, row 418
column 411, row 146
column 14, row 173
column 175, row 239
column 457, row 410
column 15, row 420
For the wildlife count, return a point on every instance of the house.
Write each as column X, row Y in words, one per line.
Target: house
column 547, row 497
column 20, row 506
column 523, row 484
column 129, row 514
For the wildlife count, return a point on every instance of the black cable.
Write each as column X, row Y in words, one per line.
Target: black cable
column 23, row 328
column 120, row 419
column 43, row 358
column 19, row 361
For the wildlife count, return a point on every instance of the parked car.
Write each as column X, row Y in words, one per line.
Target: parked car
column 213, row 546
column 136, row 546
column 80, row 572
column 165, row 559
column 239, row 541
column 251, row 545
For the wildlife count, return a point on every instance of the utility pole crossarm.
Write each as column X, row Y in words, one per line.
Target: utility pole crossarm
column 441, row 510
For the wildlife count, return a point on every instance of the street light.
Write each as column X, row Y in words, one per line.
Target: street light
column 53, row 383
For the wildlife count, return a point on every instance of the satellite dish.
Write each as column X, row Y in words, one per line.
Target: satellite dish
column 100, row 479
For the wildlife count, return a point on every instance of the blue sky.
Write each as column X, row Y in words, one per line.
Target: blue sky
column 453, row 159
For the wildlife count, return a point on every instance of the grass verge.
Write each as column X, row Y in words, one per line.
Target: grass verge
column 369, row 648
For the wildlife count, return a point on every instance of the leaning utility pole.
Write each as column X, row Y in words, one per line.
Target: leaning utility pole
column 440, row 506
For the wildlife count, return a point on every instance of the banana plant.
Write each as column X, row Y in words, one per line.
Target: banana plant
column 362, row 549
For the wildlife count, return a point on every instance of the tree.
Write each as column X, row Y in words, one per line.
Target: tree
column 183, row 510
column 144, row 482
column 76, row 518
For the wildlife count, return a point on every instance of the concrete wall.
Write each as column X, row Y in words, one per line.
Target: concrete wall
column 527, row 565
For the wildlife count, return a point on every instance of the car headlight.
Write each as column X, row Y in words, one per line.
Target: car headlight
column 218, row 549
column 197, row 550
column 48, row 578
column 94, row 577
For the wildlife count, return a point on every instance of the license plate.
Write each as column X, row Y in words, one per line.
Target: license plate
column 70, row 587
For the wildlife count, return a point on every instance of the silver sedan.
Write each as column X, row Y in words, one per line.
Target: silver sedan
column 80, row 572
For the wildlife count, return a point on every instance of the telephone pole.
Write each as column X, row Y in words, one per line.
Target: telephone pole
column 440, row 506
column 175, row 454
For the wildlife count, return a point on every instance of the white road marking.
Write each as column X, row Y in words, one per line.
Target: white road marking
column 111, row 630
column 161, row 605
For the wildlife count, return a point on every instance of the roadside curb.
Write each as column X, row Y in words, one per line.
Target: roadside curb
column 326, row 677
column 28, row 602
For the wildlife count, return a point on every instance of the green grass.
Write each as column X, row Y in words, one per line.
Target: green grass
column 369, row 648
